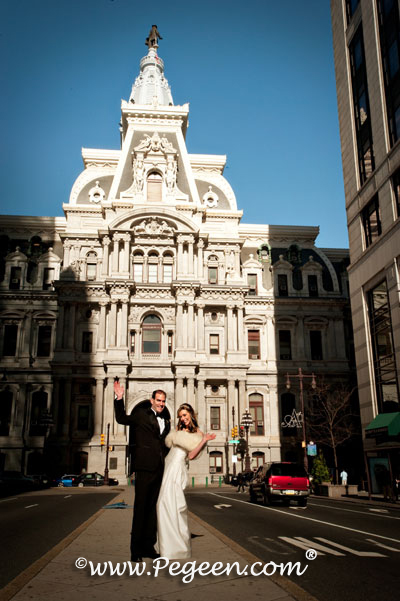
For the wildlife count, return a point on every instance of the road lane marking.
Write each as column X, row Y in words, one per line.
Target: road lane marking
column 371, row 540
column 29, row 506
column 221, row 505
column 381, row 511
column 68, row 496
column 274, row 546
column 349, row 550
column 304, row 517
column 392, row 517
column 305, row 544
column 12, row 499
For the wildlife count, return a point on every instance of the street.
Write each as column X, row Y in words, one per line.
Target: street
column 358, row 546
column 32, row 523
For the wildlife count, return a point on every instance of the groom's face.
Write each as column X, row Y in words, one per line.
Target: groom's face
column 158, row 402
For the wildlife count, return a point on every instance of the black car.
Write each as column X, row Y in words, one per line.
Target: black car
column 13, row 482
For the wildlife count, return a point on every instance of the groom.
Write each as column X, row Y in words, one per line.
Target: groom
column 150, row 423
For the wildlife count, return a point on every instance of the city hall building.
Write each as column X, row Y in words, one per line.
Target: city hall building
column 151, row 277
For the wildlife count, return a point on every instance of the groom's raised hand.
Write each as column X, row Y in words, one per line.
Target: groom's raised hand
column 118, row 390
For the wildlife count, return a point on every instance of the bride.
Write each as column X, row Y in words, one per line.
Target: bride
column 172, row 520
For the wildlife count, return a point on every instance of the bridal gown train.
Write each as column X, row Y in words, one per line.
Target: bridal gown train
column 174, row 541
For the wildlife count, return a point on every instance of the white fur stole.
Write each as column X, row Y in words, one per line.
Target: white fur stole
column 186, row 440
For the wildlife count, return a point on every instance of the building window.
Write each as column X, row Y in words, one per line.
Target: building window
column 44, row 341
column 152, row 273
column 253, row 338
column 383, row 348
column 371, row 221
column 212, row 275
column 15, row 278
column 252, row 284
column 257, row 414
column 6, row 398
column 312, row 285
column 154, row 187
column 396, row 189
column 10, row 340
column 138, row 272
column 151, row 333
column 258, row 459
column 285, row 345
column 361, row 106
column 389, row 34
column 215, row 418
column 316, row 345
column 83, row 418
column 214, row 344
column 167, row 273
column 170, row 342
column 91, row 271
column 38, row 408
column 132, row 341
column 282, row 285
column 215, row 462
column 87, row 342
column 351, row 6
column 48, row 278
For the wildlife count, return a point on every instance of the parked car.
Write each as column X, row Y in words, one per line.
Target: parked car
column 13, row 482
column 42, row 480
column 68, row 480
column 280, row 481
column 91, row 479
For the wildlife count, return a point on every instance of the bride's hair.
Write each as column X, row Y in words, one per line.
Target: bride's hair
column 193, row 426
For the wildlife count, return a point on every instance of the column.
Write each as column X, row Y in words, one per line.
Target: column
column 300, row 337
column 160, row 277
column 180, row 255
column 241, row 340
column 232, row 403
column 237, row 262
column 106, row 254
column 115, row 257
column 101, row 339
column 200, row 327
column 98, row 408
column 108, row 406
column 26, row 350
column 60, row 326
column 201, row 404
column 67, row 250
column 200, row 246
column 71, row 327
column 271, row 346
column 124, row 323
column 190, row 255
column 230, row 328
column 127, row 239
column 178, row 396
column 112, row 323
column 179, row 324
column 67, row 406
column 242, row 401
column 191, row 399
column 340, row 337
column 190, row 325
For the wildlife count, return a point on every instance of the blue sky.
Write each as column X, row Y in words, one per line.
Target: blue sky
column 259, row 77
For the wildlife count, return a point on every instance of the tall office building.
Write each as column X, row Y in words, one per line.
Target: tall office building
column 366, row 39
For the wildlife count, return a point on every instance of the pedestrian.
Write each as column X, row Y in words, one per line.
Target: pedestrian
column 396, row 487
column 150, row 422
column 343, row 475
column 241, row 482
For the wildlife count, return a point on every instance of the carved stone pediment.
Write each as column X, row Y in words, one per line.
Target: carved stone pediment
column 155, row 144
column 153, row 227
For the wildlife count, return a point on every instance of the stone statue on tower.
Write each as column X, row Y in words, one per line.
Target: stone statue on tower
column 154, row 36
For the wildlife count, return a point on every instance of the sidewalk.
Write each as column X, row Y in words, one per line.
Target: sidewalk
column 105, row 537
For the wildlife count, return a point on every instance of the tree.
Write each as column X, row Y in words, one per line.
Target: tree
column 320, row 471
column 330, row 418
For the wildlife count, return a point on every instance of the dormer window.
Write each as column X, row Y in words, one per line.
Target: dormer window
column 154, row 187
column 282, row 284
column 48, row 278
column 15, row 278
column 252, row 284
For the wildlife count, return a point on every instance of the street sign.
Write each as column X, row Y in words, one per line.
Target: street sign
column 233, row 442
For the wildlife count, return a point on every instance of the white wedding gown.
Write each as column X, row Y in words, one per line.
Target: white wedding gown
column 174, row 541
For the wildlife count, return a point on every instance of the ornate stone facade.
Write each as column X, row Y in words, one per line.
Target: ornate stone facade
column 152, row 278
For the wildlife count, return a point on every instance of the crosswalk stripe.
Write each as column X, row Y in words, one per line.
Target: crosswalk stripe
column 352, row 551
column 305, row 544
column 371, row 540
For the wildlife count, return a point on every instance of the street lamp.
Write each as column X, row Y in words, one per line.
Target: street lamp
column 247, row 422
column 300, row 376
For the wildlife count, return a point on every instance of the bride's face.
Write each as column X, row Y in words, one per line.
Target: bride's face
column 184, row 418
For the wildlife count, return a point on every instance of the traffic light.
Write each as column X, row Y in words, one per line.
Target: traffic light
column 102, row 439
column 241, row 431
column 235, row 432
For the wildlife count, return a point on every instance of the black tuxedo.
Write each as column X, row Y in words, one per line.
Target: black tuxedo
column 148, row 452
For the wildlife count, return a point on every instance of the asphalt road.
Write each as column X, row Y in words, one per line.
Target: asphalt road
column 358, row 546
column 33, row 523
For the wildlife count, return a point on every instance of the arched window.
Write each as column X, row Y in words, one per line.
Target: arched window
column 152, row 266
column 151, row 334
column 168, row 263
column 138, row 266
column 212, row 264
column 258, row 459
column 154, row 186
column 257, row 413
column 91, row 266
